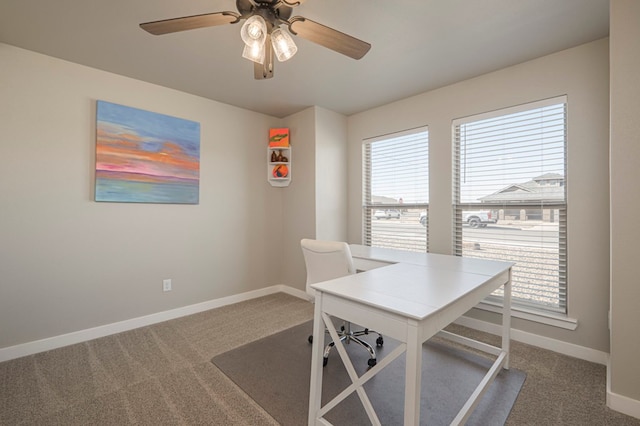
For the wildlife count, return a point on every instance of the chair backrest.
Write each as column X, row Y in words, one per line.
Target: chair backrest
column 326, row 260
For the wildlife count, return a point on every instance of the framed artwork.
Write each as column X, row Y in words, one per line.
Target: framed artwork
column 145, row 157
column 279, row 138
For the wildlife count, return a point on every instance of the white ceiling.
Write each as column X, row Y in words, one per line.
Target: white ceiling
column 417, row 45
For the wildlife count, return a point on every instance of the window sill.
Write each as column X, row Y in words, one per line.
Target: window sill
column 555, row 320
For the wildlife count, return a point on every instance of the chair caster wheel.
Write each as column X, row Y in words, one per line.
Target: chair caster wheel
column 379, row 341
column 325, row 361
column 310, row 339
column 372, row 362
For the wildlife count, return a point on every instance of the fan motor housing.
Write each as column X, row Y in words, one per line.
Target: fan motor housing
column 271, row 10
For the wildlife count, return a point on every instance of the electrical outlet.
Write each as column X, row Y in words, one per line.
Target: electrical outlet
column 166, row 285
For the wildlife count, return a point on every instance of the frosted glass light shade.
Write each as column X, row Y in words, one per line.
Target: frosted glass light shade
column 254, row 30
column 254, row 53
column 283, row 45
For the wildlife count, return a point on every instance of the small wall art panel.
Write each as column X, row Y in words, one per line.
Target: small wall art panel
column 145, row 157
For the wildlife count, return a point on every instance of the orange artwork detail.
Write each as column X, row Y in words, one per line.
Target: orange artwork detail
column 279, row 138
column 280, row 171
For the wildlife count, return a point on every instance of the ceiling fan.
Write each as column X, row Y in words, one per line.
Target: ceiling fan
column 262, row 34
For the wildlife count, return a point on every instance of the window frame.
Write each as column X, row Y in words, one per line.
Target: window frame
column 369, row 207
column 528, row 307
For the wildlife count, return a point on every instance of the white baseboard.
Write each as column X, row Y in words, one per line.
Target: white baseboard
column 623, row 404
column 559, row 346
column 37, row 346
column 294, row 292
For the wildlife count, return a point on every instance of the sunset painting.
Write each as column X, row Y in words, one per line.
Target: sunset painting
column 145, row 157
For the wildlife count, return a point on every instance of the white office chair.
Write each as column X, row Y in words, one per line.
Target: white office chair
column 326, row 260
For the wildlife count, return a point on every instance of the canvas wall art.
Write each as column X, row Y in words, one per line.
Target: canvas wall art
column 278, row 138
column 146, row 157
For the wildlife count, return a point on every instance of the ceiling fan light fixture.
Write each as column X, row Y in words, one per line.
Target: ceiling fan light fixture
column 254, row 31
column 255, row 53
column 283, row 45
column 260, row 31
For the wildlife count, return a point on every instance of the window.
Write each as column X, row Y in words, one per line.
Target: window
column 396, row 190
column 509, row 197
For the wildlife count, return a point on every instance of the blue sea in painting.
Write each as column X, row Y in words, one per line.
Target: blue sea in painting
column 147, row 192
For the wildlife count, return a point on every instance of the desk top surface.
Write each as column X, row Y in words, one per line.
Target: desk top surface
column 416, row 285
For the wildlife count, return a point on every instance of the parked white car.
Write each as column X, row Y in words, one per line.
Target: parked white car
column 386, row 214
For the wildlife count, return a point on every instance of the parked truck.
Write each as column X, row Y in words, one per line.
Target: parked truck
column 479, row 219
column 475, row 218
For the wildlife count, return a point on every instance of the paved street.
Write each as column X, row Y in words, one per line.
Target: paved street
column 517, row 233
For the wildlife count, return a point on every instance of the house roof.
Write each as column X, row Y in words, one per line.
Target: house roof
column 547, row 187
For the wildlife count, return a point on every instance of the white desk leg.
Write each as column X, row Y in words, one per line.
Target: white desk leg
column 315, row 392
column 413, row 375
column 506, row 321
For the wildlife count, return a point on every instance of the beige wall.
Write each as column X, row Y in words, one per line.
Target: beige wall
column 315, row 202
column 581, row 73
column 68, row 263
column 331, row 175
column 298, row 199
column 624, row 367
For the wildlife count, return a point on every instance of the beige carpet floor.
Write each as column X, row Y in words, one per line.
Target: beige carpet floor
column 162, row 375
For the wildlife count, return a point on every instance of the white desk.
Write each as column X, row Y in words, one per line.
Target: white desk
column 409, row 297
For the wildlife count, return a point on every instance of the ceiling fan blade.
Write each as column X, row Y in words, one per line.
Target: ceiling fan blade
column 264, row 71
column 167, row 26
column 328, row 37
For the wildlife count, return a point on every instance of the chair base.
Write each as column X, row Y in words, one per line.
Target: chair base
column 347, row 336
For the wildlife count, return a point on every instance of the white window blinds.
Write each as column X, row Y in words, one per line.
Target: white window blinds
column 396, row 190
column 510, row 197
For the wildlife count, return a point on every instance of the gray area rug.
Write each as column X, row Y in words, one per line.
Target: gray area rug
column 274, row 371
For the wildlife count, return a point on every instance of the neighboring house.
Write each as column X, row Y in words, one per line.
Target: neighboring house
column 545, row 188
column 548, row 187
column 379, row 199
